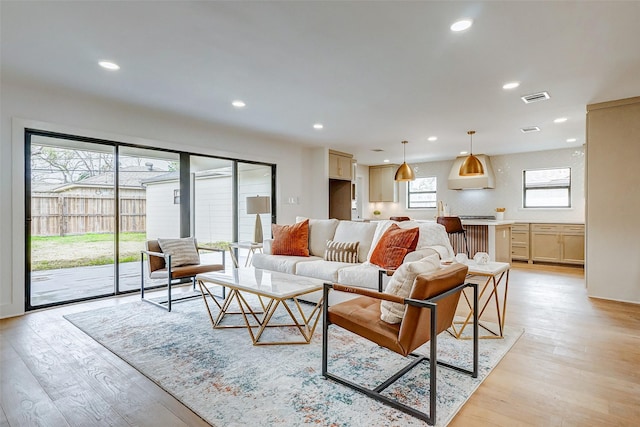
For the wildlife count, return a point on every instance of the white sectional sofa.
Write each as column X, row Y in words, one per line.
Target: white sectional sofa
column 432, row 239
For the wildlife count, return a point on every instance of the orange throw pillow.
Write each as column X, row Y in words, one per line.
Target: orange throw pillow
column 394, row 244
column 290, row 239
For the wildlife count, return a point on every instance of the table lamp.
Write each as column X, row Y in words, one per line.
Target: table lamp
column 258, row 205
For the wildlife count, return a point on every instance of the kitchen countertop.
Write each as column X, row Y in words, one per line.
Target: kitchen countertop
column 487, row 222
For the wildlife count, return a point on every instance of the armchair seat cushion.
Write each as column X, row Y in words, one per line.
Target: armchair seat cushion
column 361, row 316
column 185, row 271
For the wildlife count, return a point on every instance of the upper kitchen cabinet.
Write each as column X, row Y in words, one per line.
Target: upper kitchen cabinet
column 340, row 165
column 382, row 186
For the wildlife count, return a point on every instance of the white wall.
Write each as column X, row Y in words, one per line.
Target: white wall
column 613, row 203
column 508, row 192
column 55, row 109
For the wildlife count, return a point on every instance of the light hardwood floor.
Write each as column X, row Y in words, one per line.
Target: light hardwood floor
column 578, row 364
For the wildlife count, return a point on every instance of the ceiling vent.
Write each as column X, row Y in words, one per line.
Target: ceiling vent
column 530, row 129
column 377, row 150
column 535, row 97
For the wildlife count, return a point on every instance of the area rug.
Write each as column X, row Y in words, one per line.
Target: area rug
column 227, row 381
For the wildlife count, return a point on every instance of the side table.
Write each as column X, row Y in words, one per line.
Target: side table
column 490, row 291
column 251, row 246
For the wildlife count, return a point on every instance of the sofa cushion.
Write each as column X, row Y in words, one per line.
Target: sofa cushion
column 362, row 275
column 321, row 269
column 432, row 234
column 320, row 230
column 183, row 251
column 281, row 263
column 401, row 284
column 353, row 231
column 291, row 239
column 341, row 251
column 392, row 247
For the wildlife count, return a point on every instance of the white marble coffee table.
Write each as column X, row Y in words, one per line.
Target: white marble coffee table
column 273, row 290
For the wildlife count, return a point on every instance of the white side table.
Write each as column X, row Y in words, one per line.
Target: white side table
column 251, row 246
column 492, row 274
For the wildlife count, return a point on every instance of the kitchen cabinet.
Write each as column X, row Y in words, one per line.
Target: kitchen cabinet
column 503, row 243
column 520, row 242
column 340, row 165
column 382, row 184
column 561, row 243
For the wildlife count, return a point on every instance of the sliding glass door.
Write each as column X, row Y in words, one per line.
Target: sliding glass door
column 71, row 219
column 148, row 207
column 91, row 205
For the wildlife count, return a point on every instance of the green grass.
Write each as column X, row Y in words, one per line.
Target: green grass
column 53, row 252
column 86, row 238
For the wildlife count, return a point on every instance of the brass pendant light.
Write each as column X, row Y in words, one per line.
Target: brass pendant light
column 404, row 172
column 471, row 166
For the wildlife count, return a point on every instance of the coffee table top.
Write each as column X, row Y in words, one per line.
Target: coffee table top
column 263, row 282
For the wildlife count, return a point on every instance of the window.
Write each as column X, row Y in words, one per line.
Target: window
column 421, row 193
column 547, row 188
column 176, row 197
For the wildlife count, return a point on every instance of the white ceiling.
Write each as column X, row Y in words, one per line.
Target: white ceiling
column 374, row 73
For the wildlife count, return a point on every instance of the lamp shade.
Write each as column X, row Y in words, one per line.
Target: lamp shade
column 472, row 166
column 258, row 205
column 405, row 173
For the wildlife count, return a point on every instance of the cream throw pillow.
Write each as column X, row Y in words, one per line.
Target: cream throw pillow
column 183, row 251
column 401, row 284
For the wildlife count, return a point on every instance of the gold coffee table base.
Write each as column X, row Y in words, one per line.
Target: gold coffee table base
column 305, row 324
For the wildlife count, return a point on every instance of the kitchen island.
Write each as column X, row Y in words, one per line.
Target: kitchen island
column 483, row 235
column 490, row 236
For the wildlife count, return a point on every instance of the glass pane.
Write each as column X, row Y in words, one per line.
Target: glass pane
column 147, row 181
column 554, row 197
column 423, row 184
column 422, row 200
column 72, row 220
column 254, row 205
column 212, row 203
column 547, row 178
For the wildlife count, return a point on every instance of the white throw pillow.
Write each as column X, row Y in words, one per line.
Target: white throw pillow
column 320, row 230
column 401, row 284
column 183, row 251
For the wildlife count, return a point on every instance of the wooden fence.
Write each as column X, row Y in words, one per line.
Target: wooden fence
column 60, row 215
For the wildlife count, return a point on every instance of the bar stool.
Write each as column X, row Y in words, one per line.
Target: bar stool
column 453, row 225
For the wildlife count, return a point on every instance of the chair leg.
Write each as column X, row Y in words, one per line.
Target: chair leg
column 466, row 244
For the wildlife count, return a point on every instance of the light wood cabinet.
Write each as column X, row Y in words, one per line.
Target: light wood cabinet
column 503, row 243
column 520, row 242
column 562, row 243
column 382, row 186
column 340, row 165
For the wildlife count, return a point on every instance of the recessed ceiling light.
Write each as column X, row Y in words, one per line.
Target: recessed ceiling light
column 386, row 160
column 510, row 85
column 560, row 120
column 432, row 138
column 109, row 65
column 571, row 140
column 464, row 152
column 238, row 103
column 461, row 25
column 318, row 126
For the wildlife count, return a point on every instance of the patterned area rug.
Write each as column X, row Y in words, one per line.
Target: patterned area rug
column 222, row 377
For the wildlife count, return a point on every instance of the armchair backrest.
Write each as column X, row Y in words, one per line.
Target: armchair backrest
column 155, row 263
column 416, row 323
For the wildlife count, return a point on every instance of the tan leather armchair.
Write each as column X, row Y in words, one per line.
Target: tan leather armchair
column 430, row 310
column 159, row 267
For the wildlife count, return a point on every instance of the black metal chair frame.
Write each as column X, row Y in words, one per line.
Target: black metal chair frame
column 171, row 281
column 376, row 393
